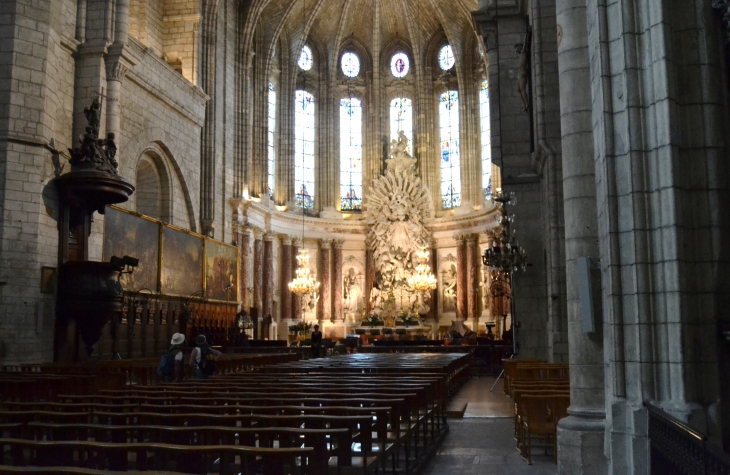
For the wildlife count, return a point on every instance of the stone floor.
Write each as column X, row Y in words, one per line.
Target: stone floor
column 481, row 443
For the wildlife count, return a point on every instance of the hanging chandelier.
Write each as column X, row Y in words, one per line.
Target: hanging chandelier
column 505, row 255
column 304, row 282
column 423, row 279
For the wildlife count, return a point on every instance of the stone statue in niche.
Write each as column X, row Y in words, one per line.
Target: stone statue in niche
column 95, row 154
column 352, row 291
column 523, row 70
column 449, row 292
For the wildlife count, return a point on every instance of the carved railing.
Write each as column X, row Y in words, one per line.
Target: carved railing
column 678, row 449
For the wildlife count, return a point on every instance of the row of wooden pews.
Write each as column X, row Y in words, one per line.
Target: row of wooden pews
column 386, row 413
column 541, row 394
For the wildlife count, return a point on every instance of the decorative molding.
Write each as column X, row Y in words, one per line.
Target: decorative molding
column 115, row 70
column 187, row 18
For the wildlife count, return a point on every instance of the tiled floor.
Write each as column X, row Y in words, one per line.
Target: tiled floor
column 482, row 443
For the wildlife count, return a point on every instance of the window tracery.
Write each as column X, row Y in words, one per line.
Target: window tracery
column 450, row 157
column 271, row 161
column 305, row 58
column 304, row 150
column 350, row 154
column 401, row 118
column 350, row 64
column 399, row 65
column 486, row 137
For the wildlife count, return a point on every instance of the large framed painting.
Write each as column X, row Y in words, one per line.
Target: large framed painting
column 182, row 262
column 127, row 234
column 221, row 271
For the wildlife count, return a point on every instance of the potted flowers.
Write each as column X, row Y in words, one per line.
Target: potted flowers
column 372, row 321
column 300, row 329
column 407, row 320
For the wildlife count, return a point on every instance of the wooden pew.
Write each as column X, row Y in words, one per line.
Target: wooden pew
column 155, row 456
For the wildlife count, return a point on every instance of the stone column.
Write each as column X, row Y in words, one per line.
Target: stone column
column 296, row 300
column 268, row 276
column 581, row 434
column 258, row 271
column 246, row 277
column 472, row 276
column 369, row 278
column 286, row 276
column 115, row 72
column 433, row 312
column 461, row 278
column 324, row 306
column 337, row 278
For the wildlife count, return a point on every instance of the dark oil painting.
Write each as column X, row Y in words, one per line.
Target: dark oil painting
column 129, row 235
column 182, row 262
column 221, row 271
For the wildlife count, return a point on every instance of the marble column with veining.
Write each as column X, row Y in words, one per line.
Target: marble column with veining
column 324, row 306
column 472, row 276
column 369, row 279
column 296, row 299
column 268, row 276
column 461, row 278
column 337, row 278
column 286, row 276
column 433, row 262
column 246, row 264
column 258, row 271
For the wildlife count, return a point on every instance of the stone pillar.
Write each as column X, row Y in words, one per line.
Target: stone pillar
column 472, row 276
column 337, row 278
column 246, row 264
column 258, row 271
column 296, row 299
column 461, row 278
column 324, row 306
column 268, row 276
column 369, row 279
column 581, row 434
column 433, row 312
column 286, row 276
column 115, row 72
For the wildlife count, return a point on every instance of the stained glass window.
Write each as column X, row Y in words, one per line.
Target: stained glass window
column 304, row 150
column 350, row 65
column 271, row 165
column 486, row 139
column 401, row 118
column 399, row 65
column 305, row 58
column 446, row 58
column 450, row 160
column 350, row 154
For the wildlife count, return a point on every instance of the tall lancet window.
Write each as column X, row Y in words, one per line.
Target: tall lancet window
column 450, row 160
column 271, row 162
column 401, row 119
column 350, row 154
column 304, row 150
column 486, row 133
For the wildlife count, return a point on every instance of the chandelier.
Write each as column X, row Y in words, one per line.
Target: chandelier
column 423, row 279
column 304, row 282
column 505, row 255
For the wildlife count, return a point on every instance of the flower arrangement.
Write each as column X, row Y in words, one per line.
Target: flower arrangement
column 372, row 321
column 407, row 320
column 301, row 327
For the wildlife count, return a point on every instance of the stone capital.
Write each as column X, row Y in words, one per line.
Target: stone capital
column 269, row 236
column 337, row 243
column 296, row 241
column 325, row 243
column 258, row 234
column 115, row 70
column 285, row 239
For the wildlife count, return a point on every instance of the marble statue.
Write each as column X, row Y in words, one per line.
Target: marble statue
column 352, row 291
column 398, row 206
column 449, row 289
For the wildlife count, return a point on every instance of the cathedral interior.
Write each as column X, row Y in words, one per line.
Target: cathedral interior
column 241, row 168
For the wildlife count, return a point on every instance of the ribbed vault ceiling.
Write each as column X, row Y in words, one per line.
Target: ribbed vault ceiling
column 373, row 23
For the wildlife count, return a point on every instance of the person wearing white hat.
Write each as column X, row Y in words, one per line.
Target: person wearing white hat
column 171, row 368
